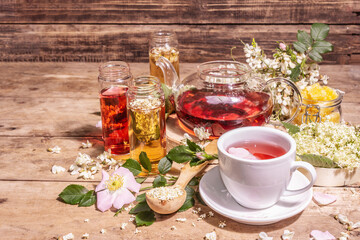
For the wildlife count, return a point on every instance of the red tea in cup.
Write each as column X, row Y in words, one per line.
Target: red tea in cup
column 256, row 150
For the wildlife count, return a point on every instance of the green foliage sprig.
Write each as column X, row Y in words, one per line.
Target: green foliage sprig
column 313, row 45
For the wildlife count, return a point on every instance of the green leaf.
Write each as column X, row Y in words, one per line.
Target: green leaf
column 319, row 31
column 159, row 181
column 140, row 207
column 314, row 55
column 189, row 203
column 164, row 165
column 133, row 166
column 73, row 194
column 199, row 198
column 145, row 161
column 88, row 199
column 180, row 154
column 304, row 38
column 189, row 192
column 169, row 107
column 292, row 129
column 141, row 198
column 300, row 47
column 318, row 161
column 322, row 47
column 145, row 218
column 193, row 146
column 295, row 73
column 140, row 179
column 194, row 181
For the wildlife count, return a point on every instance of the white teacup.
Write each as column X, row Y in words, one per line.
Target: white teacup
column 259, row 184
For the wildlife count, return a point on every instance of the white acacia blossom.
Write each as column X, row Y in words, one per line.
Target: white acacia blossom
column 285, row 59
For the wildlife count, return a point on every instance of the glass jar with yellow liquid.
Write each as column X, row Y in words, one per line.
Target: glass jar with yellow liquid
column 163, row 44
column 320, row 104
column 146, row 116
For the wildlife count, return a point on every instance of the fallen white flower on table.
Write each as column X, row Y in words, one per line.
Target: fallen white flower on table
column 201, row 133
column 85, row 236
column 342, row 219
column 181, row 220
column 210, row 236
column 55, row 149
column 319, row 235
column 137, row 231
column 344, row 236
column 173, row 228
column 86, row 220
column 57, row 169
column 68, row 236
column 193, row 224
column 323, row 198
column 264, row 236
column 86, row 145
column 354, row 226
column 102, row 231
column 287, row 235
column 123, row 226
column 210, row 214
column 222, row 224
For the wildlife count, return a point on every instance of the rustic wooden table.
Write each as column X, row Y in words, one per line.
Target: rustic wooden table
column 48, row 104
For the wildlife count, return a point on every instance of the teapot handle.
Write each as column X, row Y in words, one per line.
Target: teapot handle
column 296, row 91
column 170, row 75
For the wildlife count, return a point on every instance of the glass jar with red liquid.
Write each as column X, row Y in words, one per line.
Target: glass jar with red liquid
column 113, row 81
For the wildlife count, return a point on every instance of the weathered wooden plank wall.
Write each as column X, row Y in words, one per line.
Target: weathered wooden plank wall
column 95, row 31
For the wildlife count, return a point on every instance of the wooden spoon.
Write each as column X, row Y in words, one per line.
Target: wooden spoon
column 171, row 206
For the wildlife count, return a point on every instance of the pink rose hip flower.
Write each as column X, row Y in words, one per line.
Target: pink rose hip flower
column 282, row 46
column 114, row 190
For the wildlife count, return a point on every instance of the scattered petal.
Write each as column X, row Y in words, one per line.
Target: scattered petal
column 222, row 224
column 181, row 219
column 57, row 169
column 137, row 231
column 323, row 198
column 342, row 219
column 68, row 236
column 85, row 236
column 287, row 235
column 123, row 226
column 173, row 228
column 86, row 145
column 102, row 231
column 264, row 236
column 86, row 220
column 344, row 236
column 210, row 236
column 354, row 226
column 55, row 149
column 319, row 235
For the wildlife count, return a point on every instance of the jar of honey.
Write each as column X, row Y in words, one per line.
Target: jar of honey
column 320, row 104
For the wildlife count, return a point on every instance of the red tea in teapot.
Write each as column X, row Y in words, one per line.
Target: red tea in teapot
column 222, row 111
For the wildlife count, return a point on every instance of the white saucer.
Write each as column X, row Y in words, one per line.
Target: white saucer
column 216, row 196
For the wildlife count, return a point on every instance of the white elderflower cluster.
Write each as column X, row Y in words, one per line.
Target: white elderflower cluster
column 201, row 133
column 338, row 142
column 285, row 59
column 86, row 167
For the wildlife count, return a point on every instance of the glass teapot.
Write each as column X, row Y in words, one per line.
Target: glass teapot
column 223, row 95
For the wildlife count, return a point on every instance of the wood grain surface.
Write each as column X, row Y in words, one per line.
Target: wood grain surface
column 95, row 31
column 49, row 104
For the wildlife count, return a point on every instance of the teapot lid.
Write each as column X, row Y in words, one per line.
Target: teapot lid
column 223, row 72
